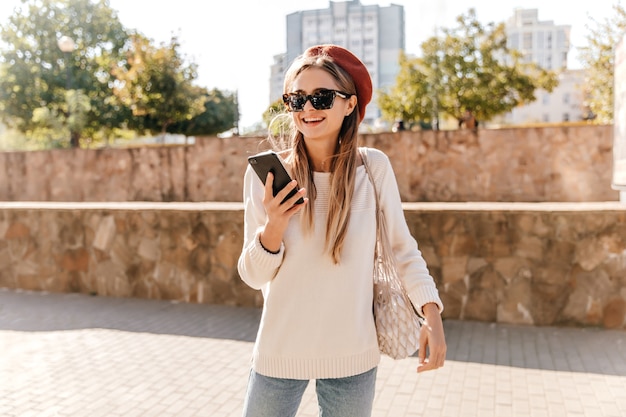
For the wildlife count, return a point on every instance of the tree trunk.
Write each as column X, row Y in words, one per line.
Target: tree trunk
column 74, row 140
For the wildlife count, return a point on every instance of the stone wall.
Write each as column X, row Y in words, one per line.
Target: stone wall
column 566, row 164
column 183, row 252
column 541, row 264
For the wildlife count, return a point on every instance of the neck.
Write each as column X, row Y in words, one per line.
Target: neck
column 320, row 156
column 321, row 166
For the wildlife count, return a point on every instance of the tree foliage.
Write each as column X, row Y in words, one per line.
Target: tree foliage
column 51, row 119
column 412, row 98
column 157, row 85
column 274, row 109
column 36, row 74
column 114, row 79
column 469, row 68
column 598, row 58
column 277, row 119
column 220, row 114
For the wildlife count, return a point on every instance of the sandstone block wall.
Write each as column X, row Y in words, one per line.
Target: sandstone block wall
column 541, row 264
column 567, row 164
column 551, row 164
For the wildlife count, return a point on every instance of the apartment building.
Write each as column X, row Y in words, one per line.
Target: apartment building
column 563, row 104
column 373, row 33
column 541, row 42
column 548, row 45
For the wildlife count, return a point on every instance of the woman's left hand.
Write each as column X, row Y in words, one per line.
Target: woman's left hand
column 432, row 336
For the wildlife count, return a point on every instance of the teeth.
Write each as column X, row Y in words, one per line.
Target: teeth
column 317, row 119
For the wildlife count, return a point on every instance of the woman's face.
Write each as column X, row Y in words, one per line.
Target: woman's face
column 320, row 125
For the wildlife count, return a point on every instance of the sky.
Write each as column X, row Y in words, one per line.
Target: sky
column 233, row 42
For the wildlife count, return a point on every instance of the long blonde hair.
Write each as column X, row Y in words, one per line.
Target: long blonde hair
column 343, row 163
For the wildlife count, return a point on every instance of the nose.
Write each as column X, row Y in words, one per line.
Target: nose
column 309, row 103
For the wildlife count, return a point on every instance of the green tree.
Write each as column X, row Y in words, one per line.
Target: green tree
column 469, row 68
column 598, row 59
column 220, row 114
column 275, row 118
column 412, row 98
column 51, row 119
column 274, row 109
column 35, row 73
column 157, row 85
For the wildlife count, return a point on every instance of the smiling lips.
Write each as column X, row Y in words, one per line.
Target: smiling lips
column 312, row 119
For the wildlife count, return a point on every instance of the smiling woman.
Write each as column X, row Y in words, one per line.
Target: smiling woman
column 310, row 260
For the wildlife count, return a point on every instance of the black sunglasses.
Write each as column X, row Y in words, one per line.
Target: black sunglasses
column 321, row 99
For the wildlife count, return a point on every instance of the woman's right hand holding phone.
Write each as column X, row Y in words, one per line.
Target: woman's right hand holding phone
column 279, row 214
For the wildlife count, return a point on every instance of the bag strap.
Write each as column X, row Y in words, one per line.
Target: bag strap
column 379, row 214
column 384, row 253
column 363, row 153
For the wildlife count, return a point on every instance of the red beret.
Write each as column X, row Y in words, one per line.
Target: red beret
column 353, row 66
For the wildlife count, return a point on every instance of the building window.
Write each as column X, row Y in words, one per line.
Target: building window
column 566, row 98
column 528, row 40
column 566, row 117
column 561, row 40
column 545, row 118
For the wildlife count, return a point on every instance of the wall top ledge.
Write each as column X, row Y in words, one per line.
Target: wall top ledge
column 121, row 205
column 520, row 207
column 238, row 206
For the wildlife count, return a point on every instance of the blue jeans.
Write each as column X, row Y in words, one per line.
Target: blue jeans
column 339, row 397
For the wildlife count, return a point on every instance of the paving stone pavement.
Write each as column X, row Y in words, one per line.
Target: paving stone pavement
column 77, row 355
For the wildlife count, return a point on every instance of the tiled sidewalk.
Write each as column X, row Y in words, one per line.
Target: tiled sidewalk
column 75, row 355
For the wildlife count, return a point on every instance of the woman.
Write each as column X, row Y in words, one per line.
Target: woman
column 314, row 261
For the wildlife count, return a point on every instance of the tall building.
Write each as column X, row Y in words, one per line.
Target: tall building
column 277, row 76
column 375, row 34
column 547, row 45
column 563, row 104
column 541, row 42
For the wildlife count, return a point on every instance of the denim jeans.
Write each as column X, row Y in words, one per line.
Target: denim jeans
column 338, row 397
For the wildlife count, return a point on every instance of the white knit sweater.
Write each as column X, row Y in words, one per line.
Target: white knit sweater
column 317, row 317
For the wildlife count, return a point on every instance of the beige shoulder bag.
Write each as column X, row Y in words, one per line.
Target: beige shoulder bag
column 397, row 322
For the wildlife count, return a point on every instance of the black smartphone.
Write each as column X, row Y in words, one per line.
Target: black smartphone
column 269, row 161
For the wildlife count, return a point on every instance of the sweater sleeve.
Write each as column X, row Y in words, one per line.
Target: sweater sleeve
column 411, row 265
column 256, row 265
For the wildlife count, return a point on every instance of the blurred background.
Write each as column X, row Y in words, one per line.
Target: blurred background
column 85, row 73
